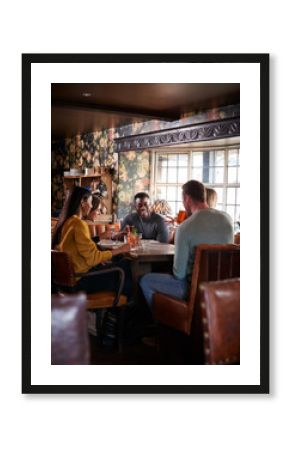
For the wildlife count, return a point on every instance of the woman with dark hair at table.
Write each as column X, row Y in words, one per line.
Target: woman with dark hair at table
column 72, row 235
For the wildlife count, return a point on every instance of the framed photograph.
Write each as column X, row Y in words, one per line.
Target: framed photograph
column 118, row 125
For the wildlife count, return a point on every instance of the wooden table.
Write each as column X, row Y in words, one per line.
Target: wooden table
column 148, row 258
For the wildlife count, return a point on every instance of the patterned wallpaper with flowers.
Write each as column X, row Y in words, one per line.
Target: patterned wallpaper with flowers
column 131, row 173
column 134, row 176
column 86, row 150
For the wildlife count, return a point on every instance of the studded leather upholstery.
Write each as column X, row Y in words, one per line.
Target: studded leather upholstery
column 220, row 313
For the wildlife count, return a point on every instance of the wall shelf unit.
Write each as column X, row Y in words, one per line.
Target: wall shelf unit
column 97, row 182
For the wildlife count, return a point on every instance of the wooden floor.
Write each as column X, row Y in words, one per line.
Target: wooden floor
column 132, row 354
column 170, row 348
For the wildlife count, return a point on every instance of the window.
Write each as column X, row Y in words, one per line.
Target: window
column 218, row 168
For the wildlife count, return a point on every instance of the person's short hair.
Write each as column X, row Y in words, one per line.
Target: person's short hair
column 195, row 190
column 211, row 197
column 141, row 195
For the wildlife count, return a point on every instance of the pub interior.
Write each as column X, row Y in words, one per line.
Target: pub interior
column 145, row 223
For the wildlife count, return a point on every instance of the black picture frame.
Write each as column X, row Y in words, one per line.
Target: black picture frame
column 263, row 61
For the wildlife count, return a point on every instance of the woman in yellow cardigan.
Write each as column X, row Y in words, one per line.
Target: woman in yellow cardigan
column 72, row 235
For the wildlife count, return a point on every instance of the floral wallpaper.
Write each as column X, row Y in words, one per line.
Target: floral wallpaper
column 87, row 150
column 134, row 176
column 59, row 163
column 130, row 170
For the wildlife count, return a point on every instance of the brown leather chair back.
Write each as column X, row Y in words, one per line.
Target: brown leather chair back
column 220, row 312
column 69, row 336
column 237, row 238
column 62, row 270
column 213, row 262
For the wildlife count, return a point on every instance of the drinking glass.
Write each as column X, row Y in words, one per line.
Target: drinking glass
column 139, row 240
column 181, row 216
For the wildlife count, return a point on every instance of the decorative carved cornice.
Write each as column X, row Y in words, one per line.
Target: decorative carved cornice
column 183, row 135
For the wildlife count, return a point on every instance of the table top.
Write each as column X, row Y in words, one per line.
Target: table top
column 152, row 250
column 109, row 244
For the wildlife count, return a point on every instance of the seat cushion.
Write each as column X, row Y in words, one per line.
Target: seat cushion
column 171, row 312
column 104, row 299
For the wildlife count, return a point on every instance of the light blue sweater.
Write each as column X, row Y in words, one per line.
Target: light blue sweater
column 206, row 226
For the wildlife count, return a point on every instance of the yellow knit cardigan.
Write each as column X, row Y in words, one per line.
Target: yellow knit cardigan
column 76, row 240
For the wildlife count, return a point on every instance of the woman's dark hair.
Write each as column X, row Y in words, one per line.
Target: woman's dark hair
column 70, row 207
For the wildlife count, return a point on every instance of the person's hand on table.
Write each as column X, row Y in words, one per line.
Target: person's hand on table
column 122, row 249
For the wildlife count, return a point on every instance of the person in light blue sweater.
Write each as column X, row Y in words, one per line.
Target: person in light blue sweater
column 203, row 226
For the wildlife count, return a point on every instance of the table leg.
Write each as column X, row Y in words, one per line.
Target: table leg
column 138, row 269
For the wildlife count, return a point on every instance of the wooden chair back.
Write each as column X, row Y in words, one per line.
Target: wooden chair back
column 64, row 280
column 62, row 272
column 212, row 262
column 237, row 238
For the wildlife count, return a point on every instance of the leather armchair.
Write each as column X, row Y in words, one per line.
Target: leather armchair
column 69, row 336
column 65, row 279
column 212, row 262
column 220, row 314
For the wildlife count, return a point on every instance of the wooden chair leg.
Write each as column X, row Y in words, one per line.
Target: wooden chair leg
column 99, row 327
column 120, row 332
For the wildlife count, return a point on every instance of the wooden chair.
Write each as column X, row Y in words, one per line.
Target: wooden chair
column 65, row 280
column 220, row 312
column 237, row 238
column 212, row 262
column 54, row 221
column 69, row 336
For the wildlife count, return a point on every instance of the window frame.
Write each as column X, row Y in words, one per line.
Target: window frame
column 190, row 151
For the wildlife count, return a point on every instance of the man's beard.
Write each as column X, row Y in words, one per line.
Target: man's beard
column 144, row 212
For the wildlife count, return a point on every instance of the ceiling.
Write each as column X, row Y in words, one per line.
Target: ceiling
column 81, row 108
